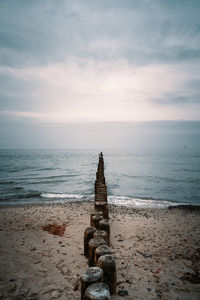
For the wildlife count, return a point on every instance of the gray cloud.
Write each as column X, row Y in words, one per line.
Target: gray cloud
column 177, row 100
column 66, row 60
column 44, row 31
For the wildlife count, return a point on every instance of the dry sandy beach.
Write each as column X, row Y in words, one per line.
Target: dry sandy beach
column 157, row 252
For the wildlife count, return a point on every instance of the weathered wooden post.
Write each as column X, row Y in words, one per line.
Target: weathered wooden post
column 95, row 220
column 107, row 263
column 101, row 250
column 93, row 244
column 92, row 275
column 103, row 207
column 96, row 239
column 100, row 191
column 101, row 233
column 88, row 235
column 97, row 291
column 105, row 225
column 95, row 213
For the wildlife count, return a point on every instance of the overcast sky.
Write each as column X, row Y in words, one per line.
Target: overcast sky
column 65, row 62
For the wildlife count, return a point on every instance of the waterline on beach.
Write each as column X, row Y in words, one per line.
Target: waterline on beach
column 64, row 198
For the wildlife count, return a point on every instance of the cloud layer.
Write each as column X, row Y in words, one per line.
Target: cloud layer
column 85, row 61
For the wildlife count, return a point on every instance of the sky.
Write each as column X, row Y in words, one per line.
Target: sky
column 82, row 73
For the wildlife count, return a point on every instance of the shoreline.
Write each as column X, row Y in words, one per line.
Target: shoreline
column 157, row 251
column 46, row 203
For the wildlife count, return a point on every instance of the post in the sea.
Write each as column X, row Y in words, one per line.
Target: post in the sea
column 101, row 189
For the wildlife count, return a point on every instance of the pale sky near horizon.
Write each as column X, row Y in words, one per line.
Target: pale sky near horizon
column 65, row 62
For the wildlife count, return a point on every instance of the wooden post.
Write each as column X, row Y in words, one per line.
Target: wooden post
column 102, row 206
column 100, row 191
column 88, row 235
column 97, row 291
column 100, row 177
column 95, row 213
column 101, row 250
column 93, row 244
column 92, row 275
column 101, row 233
column 107, row 263
column 105, row 225
column 95, row 221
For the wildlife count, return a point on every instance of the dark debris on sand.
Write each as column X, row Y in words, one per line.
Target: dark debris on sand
column 55, row 229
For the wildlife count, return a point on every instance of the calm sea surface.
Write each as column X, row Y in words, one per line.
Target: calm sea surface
column 145, row 178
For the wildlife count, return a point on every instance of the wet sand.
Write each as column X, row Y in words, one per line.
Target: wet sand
column 157, row 252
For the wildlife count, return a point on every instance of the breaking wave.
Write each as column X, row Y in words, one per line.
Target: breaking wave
column 62, row 196
column 141, row 203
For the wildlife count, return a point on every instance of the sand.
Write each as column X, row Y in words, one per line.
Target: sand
column 157, row 252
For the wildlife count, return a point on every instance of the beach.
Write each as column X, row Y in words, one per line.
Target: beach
column 157, row 251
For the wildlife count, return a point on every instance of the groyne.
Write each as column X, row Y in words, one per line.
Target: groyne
column 99, row 280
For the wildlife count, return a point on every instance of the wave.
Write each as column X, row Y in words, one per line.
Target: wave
column 141, row 203
column 17, row 188
column 7, row 182
column 50, row 177
column 62, row 196
column 47, row 169
column 50, row 197
column 15, row 170
column 26, row 195
column 48, row 181
column 47, row 178
column 190, row 170
column 58, row 176
column 160, row 179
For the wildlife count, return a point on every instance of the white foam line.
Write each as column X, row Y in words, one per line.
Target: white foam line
column 142, row 203
column 117, row 200
column 56, row 195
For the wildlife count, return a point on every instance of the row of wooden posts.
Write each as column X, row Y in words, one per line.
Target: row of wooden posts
column 99, row 280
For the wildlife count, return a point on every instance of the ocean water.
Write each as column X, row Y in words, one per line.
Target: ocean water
column 134, row 177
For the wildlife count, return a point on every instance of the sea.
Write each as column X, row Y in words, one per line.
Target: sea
column 149, row 178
